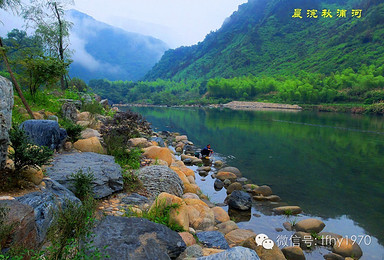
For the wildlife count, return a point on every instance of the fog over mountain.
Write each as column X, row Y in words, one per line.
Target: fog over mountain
column 104, row 51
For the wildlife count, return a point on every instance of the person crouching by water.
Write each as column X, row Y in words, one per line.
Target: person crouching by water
column 206, row 152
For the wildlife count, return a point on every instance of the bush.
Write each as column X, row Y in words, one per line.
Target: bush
column 73, row 130
column 118, row 130
column 73, row 226
column 82, row 183
column 131, row 181
column 93, row 107
column 26, row 153
column 159, row 214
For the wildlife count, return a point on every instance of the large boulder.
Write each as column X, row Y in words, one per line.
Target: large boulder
column 137, row 238
column 139, row 142
column 264, row 254
column 201, row 217
column 220, row 214
column 45, row 133
column 237, row 252
column 21, row 218
column 69, row 111
column 88, row 133
column 92, row 145
column 45, row 203
column 347, row 248
column 310, row 225
column 177, row 215
column 158, row 178
column 293, row 253
column 226, row 176
column 287, row 210
column 227, row 227
column 213, row 239
column 155, row 152
column 6, row 104
column 240, row 200
column 108, row 178
column 232, row 170
column 239, row 235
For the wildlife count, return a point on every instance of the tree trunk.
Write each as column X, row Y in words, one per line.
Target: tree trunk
column 61, row 48
column 14, row 80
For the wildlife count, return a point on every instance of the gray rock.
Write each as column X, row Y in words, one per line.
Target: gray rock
column 6, row 105
column 158, row 178
column 104, row 103
column 218, row 184
column 22, row 218
column 87, row 98
column 46, row 203
column 88, row 133
column 69, row 111
column 45, row 133
column 134, row 199
column 77, row 103
column 159, row 140
column 237, row 252
column 231, row 169
column 53, row 118
column 240, row 200
column 137, row 238
column 107, row 173
column 213, row 239
column 227, row 182
column 242, row 180
column 192, row 251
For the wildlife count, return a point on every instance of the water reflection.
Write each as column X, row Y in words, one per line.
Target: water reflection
column 329, row 164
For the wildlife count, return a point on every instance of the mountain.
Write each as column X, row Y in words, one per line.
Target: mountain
column 104, row 51
column 262, row 38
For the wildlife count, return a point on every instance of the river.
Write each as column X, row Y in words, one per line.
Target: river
column 330, row 164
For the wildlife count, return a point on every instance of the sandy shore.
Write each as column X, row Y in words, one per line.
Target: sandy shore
column 242, row 105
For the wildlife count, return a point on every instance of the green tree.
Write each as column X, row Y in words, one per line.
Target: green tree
column 48, row 18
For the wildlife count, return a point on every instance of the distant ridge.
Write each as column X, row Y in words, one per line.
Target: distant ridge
column 103, row 51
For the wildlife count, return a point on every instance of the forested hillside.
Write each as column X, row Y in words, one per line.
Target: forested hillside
column 262, row 38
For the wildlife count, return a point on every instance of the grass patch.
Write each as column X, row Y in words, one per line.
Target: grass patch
column 131, row 181
column 160, row 213
column 82, row 183
column 73, row 130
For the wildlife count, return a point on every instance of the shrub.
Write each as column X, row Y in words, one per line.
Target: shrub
column 82, row 183
column 26, row 153
column 131, row 181
column 93, row 107
column 73, row 225
column 73, row 130
column 159, row 214
column 125, row 125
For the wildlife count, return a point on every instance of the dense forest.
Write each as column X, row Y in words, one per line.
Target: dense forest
column 263, row 53
column 263, row 38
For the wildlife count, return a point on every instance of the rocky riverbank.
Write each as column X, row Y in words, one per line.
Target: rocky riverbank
column 168, row 178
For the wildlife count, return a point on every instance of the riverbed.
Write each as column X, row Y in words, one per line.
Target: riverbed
column 329, row 164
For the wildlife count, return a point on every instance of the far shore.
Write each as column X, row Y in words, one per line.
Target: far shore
column 235, row 105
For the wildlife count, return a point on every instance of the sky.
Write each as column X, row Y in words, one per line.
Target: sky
column 177, row 22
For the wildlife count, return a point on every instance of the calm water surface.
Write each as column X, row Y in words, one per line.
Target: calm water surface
column 331, row 165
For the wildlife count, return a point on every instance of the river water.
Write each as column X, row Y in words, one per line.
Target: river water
column 330, row 164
